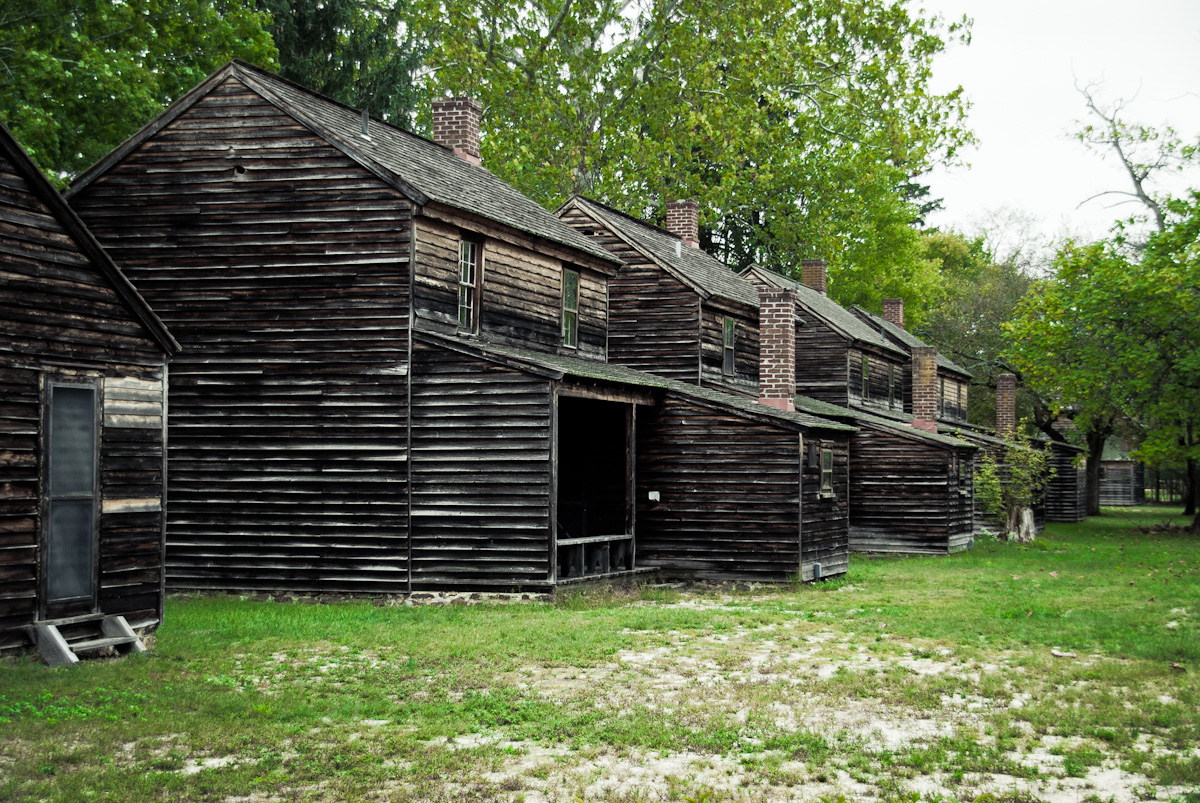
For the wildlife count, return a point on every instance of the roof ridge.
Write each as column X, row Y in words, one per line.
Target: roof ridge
column 637, row 220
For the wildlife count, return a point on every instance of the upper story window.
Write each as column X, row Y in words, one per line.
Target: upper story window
column 866, row 385
column 469, row 284
column 730, row 332
column 570, row 308
column 891, row 385
column 942, row 397
column 827, row 471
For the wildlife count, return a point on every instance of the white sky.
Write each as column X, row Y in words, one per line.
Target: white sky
column 1020, row 72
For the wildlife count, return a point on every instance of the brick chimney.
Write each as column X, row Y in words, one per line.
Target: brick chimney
column 893, row 311
column 777, row 348
column 1006, row 405
column 683, row 220
column 925, row 388
column 812, row 274
column 456, row 125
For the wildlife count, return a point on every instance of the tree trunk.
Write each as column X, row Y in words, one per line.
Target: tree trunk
column 1095, row 445
column 1191, row 479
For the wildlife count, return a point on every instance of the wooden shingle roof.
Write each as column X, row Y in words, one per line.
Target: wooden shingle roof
column 701, row 271
column 421, row 169
column 906, row 339
column 832, row 313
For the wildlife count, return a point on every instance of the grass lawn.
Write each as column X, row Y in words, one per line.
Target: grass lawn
column 1064, row 670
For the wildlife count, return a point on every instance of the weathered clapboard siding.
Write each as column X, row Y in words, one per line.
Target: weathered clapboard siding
column 729, row 495
column 482, row 473
column 654, row 319
column 825, row 528
column 952, row 401
column 1122, row 483
column 878, row 396
column 821, row 360
column 65, row 319
column 520, row 298
column 908, row 496
column 745, row 348
column 1066, row 494
column 282, row 266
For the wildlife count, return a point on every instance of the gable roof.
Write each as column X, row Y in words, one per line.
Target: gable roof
column 557, row 366
column 701, row 271
column 83, row 238
column 906, row 339
column 419, row 168
column 898, row 425
column 839, row 318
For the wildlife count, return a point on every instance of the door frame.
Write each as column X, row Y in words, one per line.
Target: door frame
column 90, row 602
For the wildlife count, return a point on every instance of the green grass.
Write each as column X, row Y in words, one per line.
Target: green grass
column 734, row 694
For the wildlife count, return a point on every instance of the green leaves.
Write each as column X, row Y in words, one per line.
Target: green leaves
column 798, row 129
column 79, row 76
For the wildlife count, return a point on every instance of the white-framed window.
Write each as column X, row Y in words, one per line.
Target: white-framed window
column 570, row 308
column 827, row 471
column 729, row 338
column 469, row 284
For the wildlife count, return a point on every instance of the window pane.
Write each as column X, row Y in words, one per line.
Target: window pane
column 466, row 263
column 570, row 290
column 69, row 549
column 465, row 299
column 72, row 440
column 570, row 328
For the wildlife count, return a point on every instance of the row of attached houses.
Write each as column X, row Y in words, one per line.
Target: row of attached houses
column 390, row 371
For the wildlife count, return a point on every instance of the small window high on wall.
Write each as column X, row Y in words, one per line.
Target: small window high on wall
column 827, row 471
column 468, row 285
column 570, row 308
column 727, row 364
column 866, row 385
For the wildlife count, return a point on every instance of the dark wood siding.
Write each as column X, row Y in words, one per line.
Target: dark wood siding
column 877, row 379
column 281, row 265
column 62, row 318
column 654, row 319
column 730, row 494
column 745, row 348
column 1122, row 483
column 907, row 495
column 825, row 531
column 821, row 355
column 482, row 486
column 521, row 295
column 1066, row 494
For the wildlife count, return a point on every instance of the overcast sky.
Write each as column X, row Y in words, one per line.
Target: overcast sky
column 1020, row 72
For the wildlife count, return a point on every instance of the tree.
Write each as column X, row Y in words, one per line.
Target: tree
column 1145, row 153
column 77, row 77
column 1060, row 340
column 1116, row 333
column 798, row 128
column 1011, row 480
column 362, row 53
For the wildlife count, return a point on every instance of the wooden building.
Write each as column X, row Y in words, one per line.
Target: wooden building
column 1122, row 479
column 677, row 312
column 911, row 487
column 82, row 430
column 674, row 310
column 395, row 369
column 953, row 381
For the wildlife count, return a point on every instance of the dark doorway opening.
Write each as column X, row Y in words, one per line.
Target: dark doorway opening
column 595, row 488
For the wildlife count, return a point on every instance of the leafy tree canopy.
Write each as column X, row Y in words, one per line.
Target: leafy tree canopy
column 77, row 77
column 797, row 127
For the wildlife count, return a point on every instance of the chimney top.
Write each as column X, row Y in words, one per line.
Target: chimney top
column 683, row 220
column 925, row 389
column 893, row 311
column 1006, row 405
column 777, row 348
column 812, row 274
column 456, row 125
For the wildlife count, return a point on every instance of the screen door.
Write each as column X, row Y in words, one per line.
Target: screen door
column 71, row 510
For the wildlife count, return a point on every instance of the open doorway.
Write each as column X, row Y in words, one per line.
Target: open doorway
column 595, row 487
